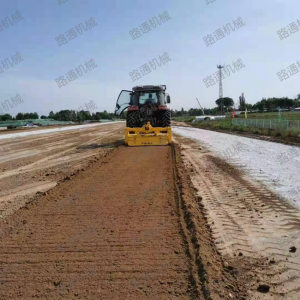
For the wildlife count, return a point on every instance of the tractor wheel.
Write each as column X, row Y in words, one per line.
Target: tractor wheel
column 165, row 118
column 132, row 119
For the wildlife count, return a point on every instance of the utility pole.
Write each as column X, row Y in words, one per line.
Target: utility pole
column 220, row 67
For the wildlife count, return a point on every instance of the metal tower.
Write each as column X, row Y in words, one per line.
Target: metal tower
column 220, row 67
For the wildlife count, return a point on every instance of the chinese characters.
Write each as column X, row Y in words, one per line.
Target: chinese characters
column 291, row 237
column 15, row 60
column 283, row 33
column 72, row 75
column 145, row 27
column 72, row 34
column 210, row 81
column 294, row 194
column 146, row 69
column 287, row 156
column 80, row 237
column 61, row 1
column 220, row 33
column 150, row 275
column 91, row 106
column 150, row 233
column 209, row 1
column 292, row 69
column 76, row 280
column 10, row 228
column 226, row 237
column 14, row 101
column 151, row 192
column 136, row 158
column 69, row 202
column 16, row 18
column 236, row 149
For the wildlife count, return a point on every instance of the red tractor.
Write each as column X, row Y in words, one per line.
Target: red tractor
column 147, row 112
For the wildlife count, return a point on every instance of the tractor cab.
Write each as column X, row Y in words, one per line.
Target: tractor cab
column 140, row 96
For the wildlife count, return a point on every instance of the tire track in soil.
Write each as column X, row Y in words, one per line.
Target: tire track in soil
column 42, row 163
column 86, row 239
column 35, row 171
column 253, row 228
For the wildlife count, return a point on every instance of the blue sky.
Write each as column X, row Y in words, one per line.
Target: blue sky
column 116, row 54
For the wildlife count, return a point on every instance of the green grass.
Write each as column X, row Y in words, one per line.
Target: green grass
column 183, row 119
column 272, row 115
column 267, row 115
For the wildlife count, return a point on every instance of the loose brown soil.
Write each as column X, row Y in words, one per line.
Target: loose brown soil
column 125, row 226
column 85, row 217
column 255, row 231
column 36, row 163
column 96, row 236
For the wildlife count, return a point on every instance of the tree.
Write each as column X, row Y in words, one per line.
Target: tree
column 43, row 117
column 271, row 104
column 249, row 106
column 34, row 115
column 98, row 116
column 6, row 117
column 20, row 116
column 242, row 105
column 227, row 102
column 195, row 112
column 105, row 115
column 83, row 115
column 260, row 105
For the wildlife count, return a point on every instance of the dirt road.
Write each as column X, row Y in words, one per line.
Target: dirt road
column 84, row 217
column 255, row 230
column 117, row 223
column 275, row 165
column 113, row 231
column 35, row 163
column 90, row 239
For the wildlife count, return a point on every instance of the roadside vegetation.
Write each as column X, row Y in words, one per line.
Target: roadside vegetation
column 225, row 125
column 228, row 104
column 63, row 115
column 290, row 115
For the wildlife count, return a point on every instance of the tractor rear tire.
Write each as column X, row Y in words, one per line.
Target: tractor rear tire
column 165, row 118
column 132, row 119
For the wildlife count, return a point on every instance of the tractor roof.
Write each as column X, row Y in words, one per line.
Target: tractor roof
column 149, row 87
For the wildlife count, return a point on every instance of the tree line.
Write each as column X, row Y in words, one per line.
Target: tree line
column 19, row 116
column 63, row 115
column 228, row 105
column 79, row 116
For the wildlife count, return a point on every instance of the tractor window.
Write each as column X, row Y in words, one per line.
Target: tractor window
column 123, row 102
column 148, row 97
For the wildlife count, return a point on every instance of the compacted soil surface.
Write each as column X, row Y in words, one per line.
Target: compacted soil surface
column 122, row 228
column 84, row 217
